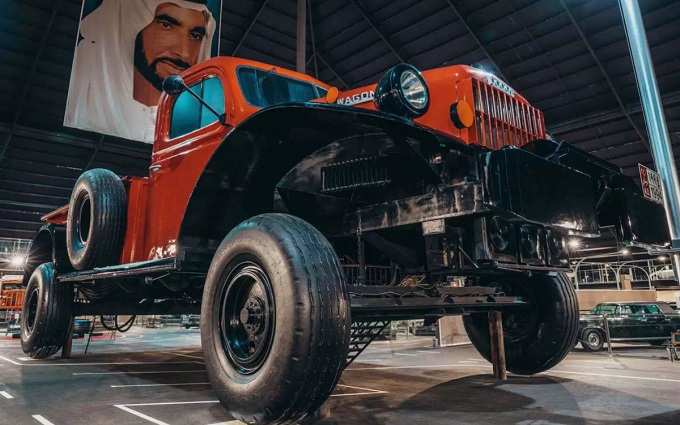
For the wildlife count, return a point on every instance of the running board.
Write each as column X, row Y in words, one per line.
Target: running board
column 143, row 268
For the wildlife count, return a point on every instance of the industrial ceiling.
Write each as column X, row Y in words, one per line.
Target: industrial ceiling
column 568, row 57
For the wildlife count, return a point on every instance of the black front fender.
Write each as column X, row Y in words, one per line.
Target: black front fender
column 240, row 178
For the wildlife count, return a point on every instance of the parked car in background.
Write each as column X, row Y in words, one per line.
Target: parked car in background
column 650, row 322
column 190, row 320
column 81, row 327
column 14, row 328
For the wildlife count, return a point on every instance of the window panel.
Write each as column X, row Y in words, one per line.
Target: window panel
column 214, row 96
column 188, row 114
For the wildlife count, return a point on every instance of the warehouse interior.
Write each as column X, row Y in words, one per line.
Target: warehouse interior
column 570, row 59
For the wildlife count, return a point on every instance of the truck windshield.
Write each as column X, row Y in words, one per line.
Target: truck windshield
column 263, row 88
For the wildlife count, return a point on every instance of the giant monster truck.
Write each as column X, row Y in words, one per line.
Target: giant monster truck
column 299, row 221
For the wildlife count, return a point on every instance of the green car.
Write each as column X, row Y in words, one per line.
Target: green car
column 651, row 322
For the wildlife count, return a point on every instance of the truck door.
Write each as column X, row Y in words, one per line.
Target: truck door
column 187, row 136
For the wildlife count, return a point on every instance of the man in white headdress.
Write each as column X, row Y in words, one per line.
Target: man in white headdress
column 126, row 49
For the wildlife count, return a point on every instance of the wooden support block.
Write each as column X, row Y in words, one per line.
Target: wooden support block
column 68, row 345
column 497, row 345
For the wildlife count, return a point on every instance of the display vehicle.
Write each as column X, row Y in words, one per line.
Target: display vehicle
column 640, row 321
column 299, row 220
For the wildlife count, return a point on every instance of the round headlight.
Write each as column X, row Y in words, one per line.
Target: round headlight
column 402, row 91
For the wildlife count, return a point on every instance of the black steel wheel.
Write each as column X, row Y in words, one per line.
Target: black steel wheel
column 247, row 317
column 592, row 340
column 536, row 337
column 47, row 311
column 275, row 320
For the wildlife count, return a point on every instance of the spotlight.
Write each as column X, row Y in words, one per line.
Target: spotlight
column 625, row 251
column 662, row 258
column 574, row 244
column 17, row 261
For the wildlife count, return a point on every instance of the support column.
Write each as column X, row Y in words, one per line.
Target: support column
column 301, row 63
column 497, row 345
column 659, row 140
column 68, row 346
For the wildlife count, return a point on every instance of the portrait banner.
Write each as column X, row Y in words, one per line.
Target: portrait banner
column 124, row 51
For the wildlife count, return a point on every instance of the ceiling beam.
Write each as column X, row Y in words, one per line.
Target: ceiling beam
column 29, row 80
column 250, row 27
column 615, row 92
column 532, row 40
column 311, row 35
column 330, row 68
column 370, row 22
column 584, row 121
column 498, row 72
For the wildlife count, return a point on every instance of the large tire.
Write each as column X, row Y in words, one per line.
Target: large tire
column 46, row 314
column 97, row 214
column 536, row 338
column 286, row 276
column 593, row 340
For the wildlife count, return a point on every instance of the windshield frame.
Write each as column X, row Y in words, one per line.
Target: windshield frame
column 240, row 85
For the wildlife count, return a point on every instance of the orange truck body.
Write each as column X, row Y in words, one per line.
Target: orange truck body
column 157, row 203
column 11, row 299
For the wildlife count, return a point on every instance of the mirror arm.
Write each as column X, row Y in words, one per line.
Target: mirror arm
column 221, row 117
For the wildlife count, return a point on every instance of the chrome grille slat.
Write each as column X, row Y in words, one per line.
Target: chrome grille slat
column 502, row 119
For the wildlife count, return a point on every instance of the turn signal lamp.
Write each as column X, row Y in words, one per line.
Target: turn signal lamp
column 332, row 95
column 462, row 115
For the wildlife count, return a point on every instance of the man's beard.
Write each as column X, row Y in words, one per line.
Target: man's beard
column 148, row 70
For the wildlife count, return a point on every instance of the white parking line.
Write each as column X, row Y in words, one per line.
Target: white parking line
column 403, row 354
column 161, row 385
column 90, row 364
column 370, row 390
column 11, row 361
column 137, row 373
column 126, row 407
column 428, row 352
column 353, row 394
column 644, row 378
column 436, row 366
column 42, row 420
column 141, row 415
column 183, row 355
column 6, row 395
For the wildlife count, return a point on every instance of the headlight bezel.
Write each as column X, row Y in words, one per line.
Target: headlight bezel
column 389, row 93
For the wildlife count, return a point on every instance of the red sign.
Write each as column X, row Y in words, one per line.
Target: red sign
column 651, row 184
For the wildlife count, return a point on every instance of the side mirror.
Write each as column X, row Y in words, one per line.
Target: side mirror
column 174, row 85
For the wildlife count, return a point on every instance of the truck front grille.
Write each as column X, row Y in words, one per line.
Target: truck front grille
column 503, row 120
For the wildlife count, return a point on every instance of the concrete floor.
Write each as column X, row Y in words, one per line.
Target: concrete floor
column 157, row 377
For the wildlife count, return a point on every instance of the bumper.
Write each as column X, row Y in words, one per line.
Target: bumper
column 637, row 220
column 535, row 190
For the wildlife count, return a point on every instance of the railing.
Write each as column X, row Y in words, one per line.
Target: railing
column 642, row 272
column 375, row 275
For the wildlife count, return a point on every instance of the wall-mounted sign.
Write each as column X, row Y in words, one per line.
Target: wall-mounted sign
column 125, row 49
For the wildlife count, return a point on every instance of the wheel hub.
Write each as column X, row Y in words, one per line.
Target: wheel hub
column 252, row 316
column 247, row 317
